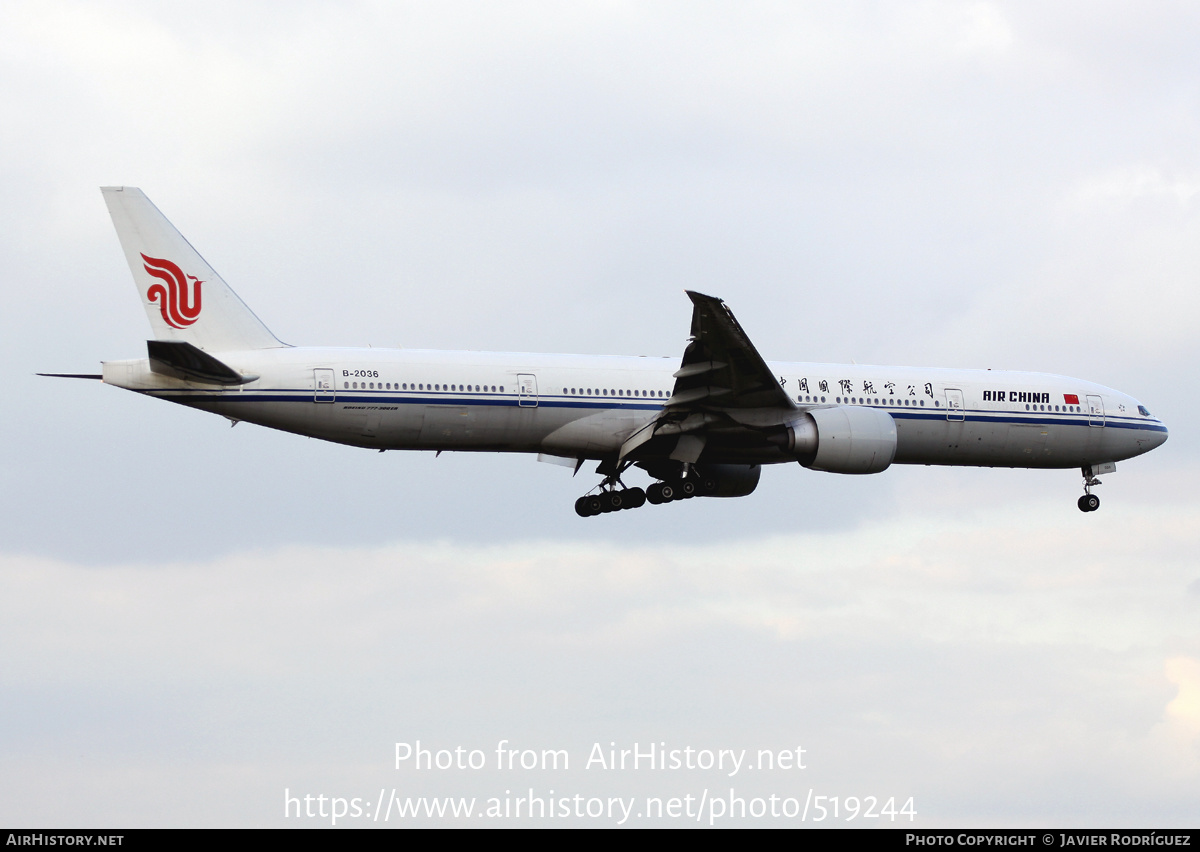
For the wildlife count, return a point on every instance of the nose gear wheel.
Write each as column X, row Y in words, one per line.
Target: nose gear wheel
column 1089, row 502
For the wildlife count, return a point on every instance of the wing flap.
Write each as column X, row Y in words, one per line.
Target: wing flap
column 698, row 369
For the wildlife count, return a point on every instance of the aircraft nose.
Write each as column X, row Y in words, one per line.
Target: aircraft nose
column 1154, row 439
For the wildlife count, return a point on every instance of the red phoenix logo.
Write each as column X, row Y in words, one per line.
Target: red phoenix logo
column 175, row 300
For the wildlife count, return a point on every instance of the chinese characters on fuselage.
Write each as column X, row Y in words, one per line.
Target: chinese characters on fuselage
column 868, row 387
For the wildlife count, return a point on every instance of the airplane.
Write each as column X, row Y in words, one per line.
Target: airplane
column 700, row 426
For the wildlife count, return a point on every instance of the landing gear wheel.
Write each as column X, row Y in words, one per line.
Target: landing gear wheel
column 654, row 494
column 668, row 492
column 611, row 495
column 687, row 488
column 1089, row 502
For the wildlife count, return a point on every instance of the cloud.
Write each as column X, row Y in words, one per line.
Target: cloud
column 1184, row 709
column 1133, row 182
column 956, row 184
column 977, row 664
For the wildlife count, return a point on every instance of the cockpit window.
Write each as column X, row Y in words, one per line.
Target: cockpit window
column 1142, row 410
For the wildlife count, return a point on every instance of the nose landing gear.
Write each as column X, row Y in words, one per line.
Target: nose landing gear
column 1089, row 502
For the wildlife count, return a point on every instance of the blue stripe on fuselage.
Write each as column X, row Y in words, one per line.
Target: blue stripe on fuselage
column 599, row 404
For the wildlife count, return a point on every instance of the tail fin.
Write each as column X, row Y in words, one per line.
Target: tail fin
column 184, row 298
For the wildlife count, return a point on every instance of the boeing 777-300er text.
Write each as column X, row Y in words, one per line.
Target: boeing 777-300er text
column 699, row 426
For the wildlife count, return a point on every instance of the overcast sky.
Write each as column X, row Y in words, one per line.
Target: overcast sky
column 194, row 619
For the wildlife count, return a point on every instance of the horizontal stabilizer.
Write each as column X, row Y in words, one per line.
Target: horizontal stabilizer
column 72, row 375
column 190, row 362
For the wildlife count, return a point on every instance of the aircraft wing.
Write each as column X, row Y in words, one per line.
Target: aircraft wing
column 720, row 366
column 721, row 374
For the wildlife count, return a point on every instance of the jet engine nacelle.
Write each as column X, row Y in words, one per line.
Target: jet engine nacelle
column 728, row 480
column 843, row 439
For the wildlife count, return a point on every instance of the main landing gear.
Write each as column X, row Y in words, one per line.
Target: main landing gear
column 687, row 486
column 665, row 492
column 1089, row 502
column 610, row 500
column 614, row 496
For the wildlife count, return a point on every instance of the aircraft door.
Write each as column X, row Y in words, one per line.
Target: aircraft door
column 324, row 389
column 1095, row 410
column 527, row 392
column 954, row 404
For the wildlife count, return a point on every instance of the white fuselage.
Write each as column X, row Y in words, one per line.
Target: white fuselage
column 580, row 407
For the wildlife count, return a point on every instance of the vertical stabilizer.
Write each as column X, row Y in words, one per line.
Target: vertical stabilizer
column 184, row 298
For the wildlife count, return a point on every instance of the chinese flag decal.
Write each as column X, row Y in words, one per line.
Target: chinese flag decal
column 1071, row 398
